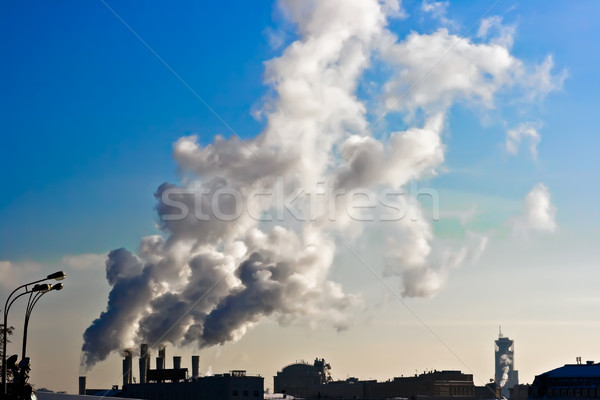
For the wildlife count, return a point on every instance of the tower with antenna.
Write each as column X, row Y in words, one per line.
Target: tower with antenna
column 506, row 377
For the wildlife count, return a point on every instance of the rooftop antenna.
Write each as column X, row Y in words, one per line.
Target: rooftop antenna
column 499, row 331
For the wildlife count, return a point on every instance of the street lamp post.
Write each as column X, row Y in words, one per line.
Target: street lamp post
column 33, row 299
column 60, row 275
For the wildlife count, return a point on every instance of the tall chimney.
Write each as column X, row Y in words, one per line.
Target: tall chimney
column 159, row 363
column 82, row 385
column 195, row 367
column 162, row 353
column 127, row 369
column 144, row 362
column 176, row 362
column 142, row 370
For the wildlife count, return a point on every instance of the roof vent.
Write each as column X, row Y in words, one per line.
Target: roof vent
column 589, row 362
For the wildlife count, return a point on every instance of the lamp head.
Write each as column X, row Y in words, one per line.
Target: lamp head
column 57, row 286
column 59, row 276
column 41, row 287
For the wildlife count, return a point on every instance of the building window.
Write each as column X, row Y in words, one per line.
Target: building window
column 235, row 392
column 245, row 393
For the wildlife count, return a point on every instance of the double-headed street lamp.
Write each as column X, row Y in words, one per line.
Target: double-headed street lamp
column 34, row 296
column 60, row 275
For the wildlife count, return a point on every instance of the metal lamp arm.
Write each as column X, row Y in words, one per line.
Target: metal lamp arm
column 31, row 303
column 7, row 305
column 13, row 300
column 58, row 276
column 33, row 299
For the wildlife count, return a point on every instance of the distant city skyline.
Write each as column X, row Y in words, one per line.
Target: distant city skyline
column 377, row 183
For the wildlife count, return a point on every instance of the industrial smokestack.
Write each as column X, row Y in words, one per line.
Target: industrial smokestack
column 195, row 367
column 160, row 363
column 127, row 369
column 82, row 385
column 142, row 370
column 126, row 372
column 162, row 354
column 176, row 362
column 144, row 362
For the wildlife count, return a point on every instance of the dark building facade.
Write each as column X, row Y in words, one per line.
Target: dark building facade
column 232, row 386
column 486, row 392
column 580, row 381
column 432, row 384
column 297, row 378
column 305, row 380
column 519, row 392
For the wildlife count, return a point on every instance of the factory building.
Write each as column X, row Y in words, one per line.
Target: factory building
column 488, row 391
column 164, row 383
column 570, row 381
column 298, row 377
column 313, row 381
column 234, row 385
column 506, row 377
column 520, row 392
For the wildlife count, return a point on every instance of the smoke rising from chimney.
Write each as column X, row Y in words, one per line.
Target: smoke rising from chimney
column 208, row 280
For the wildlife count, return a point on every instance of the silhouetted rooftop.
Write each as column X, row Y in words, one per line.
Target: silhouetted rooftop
column 575, row 371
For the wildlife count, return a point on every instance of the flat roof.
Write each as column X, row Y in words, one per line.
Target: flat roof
column 575, row 371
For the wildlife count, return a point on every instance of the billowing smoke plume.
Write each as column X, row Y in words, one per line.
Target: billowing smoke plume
column 221, row 265
column 505, row 362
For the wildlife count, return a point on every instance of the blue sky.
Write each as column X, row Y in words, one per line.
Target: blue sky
column 90, row 115
column 90, row 118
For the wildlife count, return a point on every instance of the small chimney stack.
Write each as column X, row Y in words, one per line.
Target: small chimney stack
column 176, row 362
column 127, row 369
column 82, row 385
column 195, row 367
column 144, row 362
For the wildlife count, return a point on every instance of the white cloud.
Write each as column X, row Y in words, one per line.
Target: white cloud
column 393, row 9
column 17, row 273
column 464, row 216
column 541, row 81
column 498, row 33
column 434, row 70
column 275, row 38
column 539, row 214
column 436, row 8
column 526, row 130
column 84, row 261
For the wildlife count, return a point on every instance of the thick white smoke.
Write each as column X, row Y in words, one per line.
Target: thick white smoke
column 212, row 277
column 505, row 362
